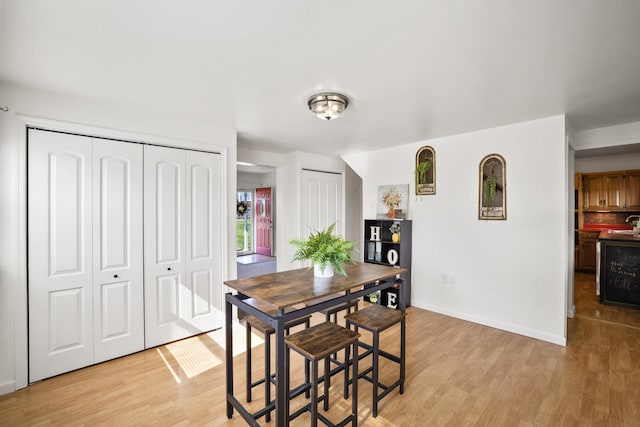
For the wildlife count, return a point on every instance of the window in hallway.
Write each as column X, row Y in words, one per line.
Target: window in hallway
column 244, row 223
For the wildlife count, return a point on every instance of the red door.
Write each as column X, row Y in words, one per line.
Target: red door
column 263, row 221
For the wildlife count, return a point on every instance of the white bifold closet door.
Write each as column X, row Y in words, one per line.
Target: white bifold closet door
column 183, row 259
column 85, row 251
column 321, row 201
column 118, row 263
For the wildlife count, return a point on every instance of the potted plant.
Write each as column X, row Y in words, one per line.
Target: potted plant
column 395, row 232
column 421, row 173
column 327, row 252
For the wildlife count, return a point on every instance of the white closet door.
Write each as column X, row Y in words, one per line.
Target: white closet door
column 321, row 201
column 117, row 249
column 60, row 253
column 166, row 292
column 204, row 241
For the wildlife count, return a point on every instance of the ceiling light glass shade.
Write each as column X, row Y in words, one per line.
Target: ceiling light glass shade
column 327, row 106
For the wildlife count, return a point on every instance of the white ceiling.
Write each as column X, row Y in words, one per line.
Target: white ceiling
column 414, row 70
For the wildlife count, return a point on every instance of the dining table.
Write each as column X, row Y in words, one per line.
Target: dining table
column 291, row 295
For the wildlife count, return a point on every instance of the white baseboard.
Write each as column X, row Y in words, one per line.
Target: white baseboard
column 7, row 387
column 531, row 333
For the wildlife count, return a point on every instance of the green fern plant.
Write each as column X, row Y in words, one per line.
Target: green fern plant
column 323, row 248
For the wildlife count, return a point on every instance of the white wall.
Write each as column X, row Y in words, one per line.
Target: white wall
column 288, row 206
column 113, row 119
column 354, row 220
column 571, row 185
column 627, row 134
column 508, row 274
column 10, row 276
column 608, row 163
column 251, row 181
column 610, row 136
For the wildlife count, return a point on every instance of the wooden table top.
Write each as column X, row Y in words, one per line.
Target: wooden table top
column 288, row 288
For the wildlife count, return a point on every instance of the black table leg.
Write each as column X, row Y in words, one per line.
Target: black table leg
column 281, row 391
column 228, row 311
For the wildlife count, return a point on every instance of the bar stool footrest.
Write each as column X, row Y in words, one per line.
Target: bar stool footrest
column 258, row 382
column 342, row 423
column 381, row 352
column 305, row 408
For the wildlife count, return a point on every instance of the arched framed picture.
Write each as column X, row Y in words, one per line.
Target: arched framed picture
column 425, row 172
column 492, row 200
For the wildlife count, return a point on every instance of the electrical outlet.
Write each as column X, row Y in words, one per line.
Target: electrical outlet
column 444, row 279
column 452, row 280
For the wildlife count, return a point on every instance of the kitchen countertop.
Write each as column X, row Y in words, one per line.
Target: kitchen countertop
column 605, row 235
column 605, row 227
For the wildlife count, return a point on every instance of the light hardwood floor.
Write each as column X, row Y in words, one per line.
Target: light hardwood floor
column 458, row 374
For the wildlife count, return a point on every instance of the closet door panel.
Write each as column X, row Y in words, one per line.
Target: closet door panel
column 168, row 301
column 169, row 192
column 321, row 197
column 118, row 258
column 166, row 293
column 204, row 240
column 60, row 253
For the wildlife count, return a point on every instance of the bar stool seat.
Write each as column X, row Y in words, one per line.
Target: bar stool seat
column 333, row 311
column 315, row 344
column 375, row 319
column 267, row 331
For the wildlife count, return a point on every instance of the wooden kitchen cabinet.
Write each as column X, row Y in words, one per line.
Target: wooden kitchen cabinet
column 587, row 257
column 611, row 191
column 632, row 191
column 593, row 191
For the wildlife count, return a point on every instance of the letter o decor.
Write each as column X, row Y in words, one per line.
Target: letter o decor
column 392, row 256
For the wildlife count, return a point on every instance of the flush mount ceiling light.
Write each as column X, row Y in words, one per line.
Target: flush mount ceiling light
column 329, row 105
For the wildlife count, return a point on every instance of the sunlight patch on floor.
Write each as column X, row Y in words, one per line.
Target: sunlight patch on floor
column 168, row 365
column 239, row 338
column 193, row 356
column 190, row 357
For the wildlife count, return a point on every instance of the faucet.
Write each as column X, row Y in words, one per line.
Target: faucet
column 632, row 216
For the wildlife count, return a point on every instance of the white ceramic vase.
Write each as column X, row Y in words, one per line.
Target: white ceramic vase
column 328, row 271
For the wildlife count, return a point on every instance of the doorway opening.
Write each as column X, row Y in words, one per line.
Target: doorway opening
column 253, row 233
column 255, row 215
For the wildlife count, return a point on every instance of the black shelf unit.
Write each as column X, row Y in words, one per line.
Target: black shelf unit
column 377, row 252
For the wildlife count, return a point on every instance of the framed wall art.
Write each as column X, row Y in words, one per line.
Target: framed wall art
column 392, row 201
column 492, row 200
column 425, row 172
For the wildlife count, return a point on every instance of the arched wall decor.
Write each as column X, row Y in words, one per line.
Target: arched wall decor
column 425, row 172
column 492, row 200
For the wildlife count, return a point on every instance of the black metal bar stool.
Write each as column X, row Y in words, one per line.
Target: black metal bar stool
column 315, row 344
column 376, row 319
column 267, row 331
column 331, row 315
